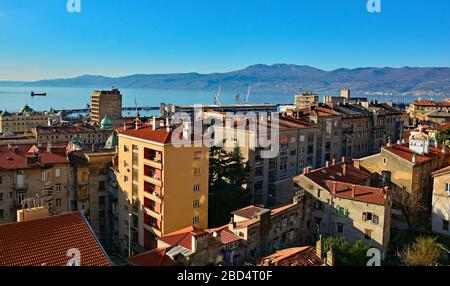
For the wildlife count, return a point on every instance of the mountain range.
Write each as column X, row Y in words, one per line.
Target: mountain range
column 280, row 78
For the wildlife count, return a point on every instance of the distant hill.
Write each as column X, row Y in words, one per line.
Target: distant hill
column 278, row 78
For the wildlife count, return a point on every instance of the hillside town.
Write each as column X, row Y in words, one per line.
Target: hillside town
column 313, row 183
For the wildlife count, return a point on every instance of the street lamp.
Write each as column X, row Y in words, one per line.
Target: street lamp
column 129, row 234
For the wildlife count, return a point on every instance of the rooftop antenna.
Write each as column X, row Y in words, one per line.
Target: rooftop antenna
column 217, row 97
column 248, row 94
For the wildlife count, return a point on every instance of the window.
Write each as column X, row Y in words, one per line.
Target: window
column 1, row 180
column 20, row 197
column 198, row 155
column 58, row 188
column 196, row 204
column 318, row 205
column 368, row 234
column 197, row 171
column 302, row 138
column 135, row 147
column 342, row 211
column 340, row 228
column 101, row 214
column 125, row 178
column 293, row 139
column 445, row 225
column 1, row 197
column 446, row 188
column 284, row 222
column 58, row 172
column 293, row 152
column 125, row 163
column 58, row 202
column 385, row 161
column 125, row 148
column 196, row 220
column 196, row 188
column 291, row 235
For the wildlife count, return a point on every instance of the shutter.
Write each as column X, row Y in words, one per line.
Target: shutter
column 346, row 212
column 364, row 216
column 337, row 210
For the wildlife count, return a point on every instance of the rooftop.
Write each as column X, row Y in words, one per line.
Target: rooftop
column 336, row 172
column 357, row 192
column 16, row 156
column 47, row 242
column 403, row 151
column 296, row 256
column 431, row 103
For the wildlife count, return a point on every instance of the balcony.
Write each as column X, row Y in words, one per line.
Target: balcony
column 153, row 175
column 152, row 192
column 153, row 225
column 153, row 158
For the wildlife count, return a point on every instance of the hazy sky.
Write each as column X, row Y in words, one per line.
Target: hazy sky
column 40, row 39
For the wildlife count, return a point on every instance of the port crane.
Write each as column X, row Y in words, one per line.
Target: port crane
column 217, row 97
column 238, row 99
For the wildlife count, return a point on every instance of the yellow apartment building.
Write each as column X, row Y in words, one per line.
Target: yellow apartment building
column 162, row 187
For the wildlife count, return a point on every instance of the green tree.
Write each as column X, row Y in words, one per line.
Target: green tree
column 424, row 251
column 443, row 136
column 227, row 185
column 345, row 253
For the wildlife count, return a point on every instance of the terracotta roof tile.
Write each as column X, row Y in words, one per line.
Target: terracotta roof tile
column 297, row 256
column 248, row 212
column 360, row 193
column 15, row 156
column 403, row 151
column 156, row 257
column 46, row 241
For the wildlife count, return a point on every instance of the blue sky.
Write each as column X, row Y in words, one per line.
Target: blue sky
column 40, row 39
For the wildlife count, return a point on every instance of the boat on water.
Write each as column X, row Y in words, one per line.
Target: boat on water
column 38, row 94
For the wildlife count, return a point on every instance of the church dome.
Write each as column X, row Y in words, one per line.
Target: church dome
column 106, row 123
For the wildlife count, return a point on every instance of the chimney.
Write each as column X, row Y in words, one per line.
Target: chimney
column 344, row 160
column 330, row 257
column 334, row 190
column 319, row 246
column 194, row 244
column 232, row 224
column 385, row 192
column 444, row 149
column 357, row 164
column 344, row 169
column 333, row 162
column 327, row 164
column 389, row 144
column 353, row 191
column 414, row 158
column 155, row 123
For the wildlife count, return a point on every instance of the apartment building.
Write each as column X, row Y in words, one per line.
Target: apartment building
column 306, row 100
column 356, row 129
column 266, row 231
column 407, row 167
column 423, row 107
column 24, row 120
column 329, row 133
column 387, row 124
column 106, row 104
column 270, row 179
column 86, row 135
column 440, row 212
column 343, row 204
column 33, row 172
column 90, row 191
column 162, row 187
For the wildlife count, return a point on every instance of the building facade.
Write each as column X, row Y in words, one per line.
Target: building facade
column 33, row 172
column 270, row 179
column 440, row 213
column 24, row 121
column 106, row 103
column 306, row 100
column 157, row 182
column 343, row 204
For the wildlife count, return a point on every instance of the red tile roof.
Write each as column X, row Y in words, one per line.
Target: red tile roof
column 226, row 235
column 442, row 127
column 357, row 192
column 156, row 257
column 297, row 256
column 15, row 156
column 183, row 237
column 47, row 241
column 403, row 151
column 248, row 212
column 431, row 103
column 160, row 135
column 352, row 175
